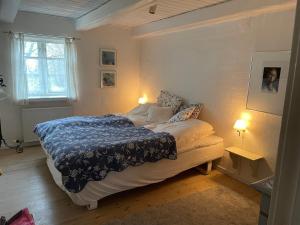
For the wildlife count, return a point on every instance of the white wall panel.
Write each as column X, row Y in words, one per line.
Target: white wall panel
column 211, row 65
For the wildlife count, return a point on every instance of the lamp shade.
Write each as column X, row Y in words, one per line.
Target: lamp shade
column 142, row 100
column 240, row 125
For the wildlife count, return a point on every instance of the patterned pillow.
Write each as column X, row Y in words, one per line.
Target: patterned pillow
column 197, row 111
column 183, row 115
column 166, row 99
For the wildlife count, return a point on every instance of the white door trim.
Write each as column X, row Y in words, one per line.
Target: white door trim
column 285, row 200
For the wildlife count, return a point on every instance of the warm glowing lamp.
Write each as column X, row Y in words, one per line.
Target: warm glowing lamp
column 240, row 126
column 246, row 116
column 142, row 100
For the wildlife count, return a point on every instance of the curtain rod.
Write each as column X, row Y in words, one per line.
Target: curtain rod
column 11, row 32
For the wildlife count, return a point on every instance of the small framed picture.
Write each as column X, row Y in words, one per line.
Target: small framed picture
column 108, row 79
column 268, row 80
column 271, row 78
column 108, row 57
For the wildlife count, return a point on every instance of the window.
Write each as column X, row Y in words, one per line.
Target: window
column 45, row 67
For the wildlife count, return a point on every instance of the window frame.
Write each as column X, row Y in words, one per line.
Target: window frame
column 43, row 59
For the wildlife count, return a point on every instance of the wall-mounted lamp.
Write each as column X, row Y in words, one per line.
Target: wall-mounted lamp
column 240, row 126
column 142, row 100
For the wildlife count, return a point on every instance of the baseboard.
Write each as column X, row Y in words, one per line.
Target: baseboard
column 233, row 175
column 31, row 144
column 25, row 144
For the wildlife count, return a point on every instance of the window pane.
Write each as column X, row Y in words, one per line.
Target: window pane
column 56, row 76
column 45, row 67
column 57, row 84
column 31, row 49
column 34, row 81
column 56, row 66
column 55, row 50
column 34, row 85
column 31, row 66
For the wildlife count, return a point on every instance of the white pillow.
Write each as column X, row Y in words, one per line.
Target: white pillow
column 141, row 109
column 158, row 114
column 138, row 120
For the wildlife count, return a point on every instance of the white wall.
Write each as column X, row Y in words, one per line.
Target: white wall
column 212, row 65
column 92, row 99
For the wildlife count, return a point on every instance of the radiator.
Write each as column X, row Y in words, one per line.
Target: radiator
column 33, row 116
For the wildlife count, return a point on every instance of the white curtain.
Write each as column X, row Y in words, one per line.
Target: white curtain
column 71, row 68
column 19, row 80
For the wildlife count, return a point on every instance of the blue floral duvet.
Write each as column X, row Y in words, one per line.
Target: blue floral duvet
column 87, row 148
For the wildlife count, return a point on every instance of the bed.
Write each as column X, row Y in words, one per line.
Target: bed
column 91, row 157
column 191, row 152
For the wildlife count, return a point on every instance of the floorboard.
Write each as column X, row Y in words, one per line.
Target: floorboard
column 28, row 183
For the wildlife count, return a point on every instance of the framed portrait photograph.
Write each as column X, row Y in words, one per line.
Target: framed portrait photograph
column 108, row 57
column 271, row 79
column 108, row 79
column 268, row 80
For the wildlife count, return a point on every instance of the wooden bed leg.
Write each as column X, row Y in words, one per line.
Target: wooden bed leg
column 93, row 205
column 206, row 170
column 209, row 167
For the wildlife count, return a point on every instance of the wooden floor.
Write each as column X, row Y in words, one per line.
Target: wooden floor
column 27, row 183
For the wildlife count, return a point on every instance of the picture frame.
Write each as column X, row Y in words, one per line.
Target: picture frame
column 108, row 79
column 108, row 57
column 268, row 81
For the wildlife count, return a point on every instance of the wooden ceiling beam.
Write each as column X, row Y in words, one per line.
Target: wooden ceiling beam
column 103, row 15
column 230, row 11
column 9, row 10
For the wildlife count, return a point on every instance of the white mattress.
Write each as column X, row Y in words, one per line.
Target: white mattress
column 207, row 149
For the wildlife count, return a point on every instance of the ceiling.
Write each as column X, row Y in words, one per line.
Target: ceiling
column 89, row 14
column 66, row 8
column 138, row 16
column 165, row 9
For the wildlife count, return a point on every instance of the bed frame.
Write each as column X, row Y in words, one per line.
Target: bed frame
column 143, row 175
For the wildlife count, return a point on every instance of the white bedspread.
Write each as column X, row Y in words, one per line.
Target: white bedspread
column 188, row 134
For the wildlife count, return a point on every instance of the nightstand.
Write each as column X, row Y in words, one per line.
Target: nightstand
column 237, row 154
